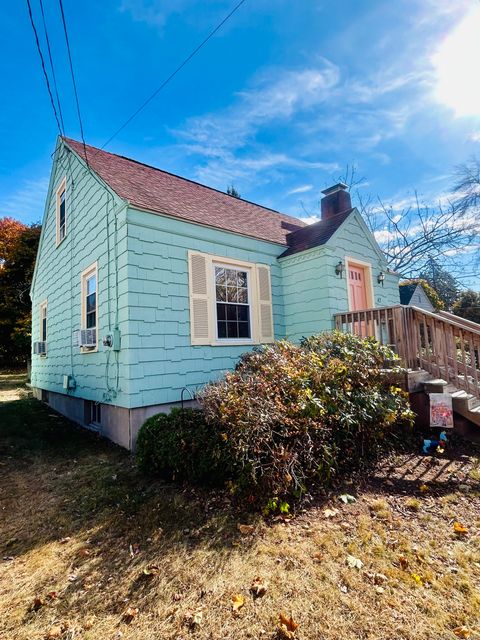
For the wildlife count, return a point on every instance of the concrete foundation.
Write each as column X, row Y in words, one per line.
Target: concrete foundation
column 118, row 424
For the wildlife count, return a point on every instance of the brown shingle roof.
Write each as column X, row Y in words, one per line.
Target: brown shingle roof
column 158, row 191
column 314, row 235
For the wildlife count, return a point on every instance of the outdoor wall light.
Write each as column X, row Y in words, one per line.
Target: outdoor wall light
column 381, row 278
column 339, row 269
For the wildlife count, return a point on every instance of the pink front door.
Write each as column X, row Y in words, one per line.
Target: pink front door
column 357, row 287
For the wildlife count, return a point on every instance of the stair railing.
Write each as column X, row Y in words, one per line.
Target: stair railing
column 446, row 348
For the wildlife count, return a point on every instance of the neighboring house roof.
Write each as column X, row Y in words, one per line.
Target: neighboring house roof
column 315, row 235
column 152, row 189
column 407, row 291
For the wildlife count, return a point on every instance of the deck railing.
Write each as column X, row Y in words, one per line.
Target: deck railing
column 444, row 347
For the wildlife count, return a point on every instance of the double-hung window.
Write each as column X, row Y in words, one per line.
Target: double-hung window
column 61, row 211
column 43, row 322
column 90, row 306
column 232, row 299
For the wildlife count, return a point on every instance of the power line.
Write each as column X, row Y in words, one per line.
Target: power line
column 174, row 73
column 73, row 79
column 44, row 69
column 47, row 39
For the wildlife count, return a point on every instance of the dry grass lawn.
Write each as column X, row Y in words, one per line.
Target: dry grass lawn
column 92, row 550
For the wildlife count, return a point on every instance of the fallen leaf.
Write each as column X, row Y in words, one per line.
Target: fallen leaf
column 417, row 578
column 319, row 556
column 237, row 601
column 245, row 529
column 151, row 570
column 258, row 587
column 54, row 632
column 346, row 498
column 52, row 595
column 462, row 632
column 354, row 563
column 403, row 562
column 287, row 627
column 424, row 487
column 330, row 513
column 37, row 603
column 129, row 614
column 459, row 529
column 194, row 618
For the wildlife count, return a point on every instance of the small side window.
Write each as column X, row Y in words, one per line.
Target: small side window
column 61, row 211
column 89, row 304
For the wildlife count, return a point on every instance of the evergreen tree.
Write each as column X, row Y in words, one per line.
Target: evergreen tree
column 233, row 192
column 468, row 306
column 442, row 281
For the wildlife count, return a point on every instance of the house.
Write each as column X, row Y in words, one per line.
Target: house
column 413, row 293
column 148, row 285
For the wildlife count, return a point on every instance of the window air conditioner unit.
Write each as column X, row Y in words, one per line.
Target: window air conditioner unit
column 40, row 348
column 85, row 338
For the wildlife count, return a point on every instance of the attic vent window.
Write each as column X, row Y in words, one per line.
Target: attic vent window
column 61, row 212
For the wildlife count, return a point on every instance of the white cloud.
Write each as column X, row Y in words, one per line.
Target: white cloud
column 301, row 189
column 475, row 136
column 153, row 12
column 275, row 97
column 28, row 201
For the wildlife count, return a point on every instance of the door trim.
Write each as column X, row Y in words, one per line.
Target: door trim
column 369, row 292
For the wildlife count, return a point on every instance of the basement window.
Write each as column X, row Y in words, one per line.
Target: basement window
column 93, row 413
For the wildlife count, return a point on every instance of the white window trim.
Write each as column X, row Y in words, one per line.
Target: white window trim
column 367, row 267
column 43, row 305
column 62, row 187
column 85, row 275
column 248, row 269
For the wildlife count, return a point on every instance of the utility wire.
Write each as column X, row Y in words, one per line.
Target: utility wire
column 47, row 39
column 174, row 73
column 73, row 80
column 44, row 69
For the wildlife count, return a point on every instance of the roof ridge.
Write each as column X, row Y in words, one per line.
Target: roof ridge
column 175, row 175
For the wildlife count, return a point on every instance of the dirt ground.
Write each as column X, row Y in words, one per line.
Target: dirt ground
column 91, row 549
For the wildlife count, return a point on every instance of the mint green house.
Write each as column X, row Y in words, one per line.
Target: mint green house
column 148, row 285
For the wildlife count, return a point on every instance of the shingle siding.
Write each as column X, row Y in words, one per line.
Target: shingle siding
column 57, row 279
column 159, row 327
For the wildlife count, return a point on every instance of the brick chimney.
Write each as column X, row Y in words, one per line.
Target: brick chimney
column 336, row 200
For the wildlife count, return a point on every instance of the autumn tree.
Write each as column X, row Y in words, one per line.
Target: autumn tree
column 18, row 249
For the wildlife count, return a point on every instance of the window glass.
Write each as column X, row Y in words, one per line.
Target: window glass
column 232, row 303
column 61, row 215
column 91, row 302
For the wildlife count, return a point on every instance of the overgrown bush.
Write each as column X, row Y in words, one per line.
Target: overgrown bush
column 181, row 446
column 287, row 418
column 299, row 415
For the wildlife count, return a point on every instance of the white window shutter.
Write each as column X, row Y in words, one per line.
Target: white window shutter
column 264, row 300
column 200, row 314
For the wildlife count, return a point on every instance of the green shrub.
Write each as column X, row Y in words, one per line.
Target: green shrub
column 288, row 418
column 294, row 416
column 181, row 446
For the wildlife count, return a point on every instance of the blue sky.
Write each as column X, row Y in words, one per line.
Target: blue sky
column 277, row 103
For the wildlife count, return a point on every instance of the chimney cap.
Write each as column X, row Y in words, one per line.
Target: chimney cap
column 340, row 186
